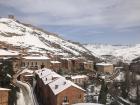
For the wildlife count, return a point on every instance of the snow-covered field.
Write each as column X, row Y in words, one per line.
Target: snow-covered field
column 124, row 52
column 18, row 34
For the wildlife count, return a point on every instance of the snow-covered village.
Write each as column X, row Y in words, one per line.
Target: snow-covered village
column 40, row 66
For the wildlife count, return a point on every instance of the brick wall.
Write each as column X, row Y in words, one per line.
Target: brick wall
column 4, row 97
column 104, row 69
column 74, row 95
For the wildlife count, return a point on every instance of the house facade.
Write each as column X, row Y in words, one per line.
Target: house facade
column 71, row 64
column 35, row 62
column 105, row 67
column 88, row 65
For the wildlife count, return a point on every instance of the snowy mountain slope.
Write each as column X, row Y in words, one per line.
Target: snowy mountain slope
column 19, row 34
column 121, row 52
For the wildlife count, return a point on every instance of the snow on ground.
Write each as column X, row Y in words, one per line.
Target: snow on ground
column 18, row 34
column 26, row 94
column 20, row 98
column 124, row 52
column 120, row 77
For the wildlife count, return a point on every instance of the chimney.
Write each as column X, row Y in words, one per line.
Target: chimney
column 56, row 86
column 64, row 82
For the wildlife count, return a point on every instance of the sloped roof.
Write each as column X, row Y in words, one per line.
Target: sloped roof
column 8, row 53
column 61, row 84
column 36, row 58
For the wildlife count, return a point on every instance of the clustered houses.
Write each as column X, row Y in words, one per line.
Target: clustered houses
column 4, row 96
column 34, row 60
column 72, row 64
column 54, row 89
column 51, row 88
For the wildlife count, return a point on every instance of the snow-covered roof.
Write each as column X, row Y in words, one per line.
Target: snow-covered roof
column 8, row 53
column 36, row 58
column 104, row 64
column 2, row 89
column 43, row 72
column 87, row 62
column 29, row 75
column 55, row 62
column 70, row 58
column 27, row 71
column 79, row 76
column 61, row 84
column 51, row 77
column 47, row 75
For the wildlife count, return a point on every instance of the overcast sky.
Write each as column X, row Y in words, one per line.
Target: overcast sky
column 86, row 21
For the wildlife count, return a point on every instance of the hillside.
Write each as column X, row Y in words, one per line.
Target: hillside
column 19, row 34
column 124, row 53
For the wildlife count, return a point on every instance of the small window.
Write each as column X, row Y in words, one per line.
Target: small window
column 65, row 98
column 27, row 63
column 80, row 96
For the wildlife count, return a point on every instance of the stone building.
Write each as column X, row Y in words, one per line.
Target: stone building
column 105, row 67
column 11, row 17
column 65, row 92
column 70, row 64
column 35, row 62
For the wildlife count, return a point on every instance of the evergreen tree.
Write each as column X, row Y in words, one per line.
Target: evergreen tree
column 138, row 95
column 103, row 93
column 124, row 90
column 6, row 73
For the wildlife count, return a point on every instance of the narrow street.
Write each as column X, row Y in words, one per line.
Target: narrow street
column 25, row 90
column 26, row 95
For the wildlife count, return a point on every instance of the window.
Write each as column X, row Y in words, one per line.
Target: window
column 23, row 64
column 80, row 96
column 27, row 63
column 65, row 98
